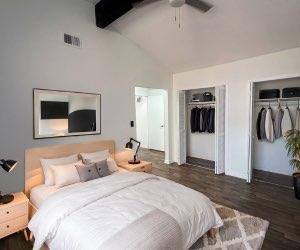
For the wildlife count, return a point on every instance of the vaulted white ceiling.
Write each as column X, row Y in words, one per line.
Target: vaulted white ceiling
column 232, row 30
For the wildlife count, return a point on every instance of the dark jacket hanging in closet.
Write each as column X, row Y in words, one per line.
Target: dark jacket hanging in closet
column 202, row 120
column 206, row 116
column 195, row 119
column 211, row 123
column 258, row 122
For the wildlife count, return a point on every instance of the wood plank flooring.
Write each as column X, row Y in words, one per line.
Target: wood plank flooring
column 270, row 202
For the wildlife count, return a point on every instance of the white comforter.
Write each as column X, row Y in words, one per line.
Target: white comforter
column 85, row 216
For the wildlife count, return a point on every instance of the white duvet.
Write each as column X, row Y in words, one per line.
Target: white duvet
column 87, row 215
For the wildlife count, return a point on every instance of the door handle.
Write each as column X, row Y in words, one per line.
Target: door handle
column 162, row 126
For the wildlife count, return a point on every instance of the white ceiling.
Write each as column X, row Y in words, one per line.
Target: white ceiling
column 232, row 30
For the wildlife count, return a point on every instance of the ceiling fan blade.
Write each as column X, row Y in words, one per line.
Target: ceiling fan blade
column 199, row 4
column 142, row 3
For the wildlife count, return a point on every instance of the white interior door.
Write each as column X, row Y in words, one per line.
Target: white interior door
column 251, row 135
column 220, row 129
column 156, row 124
column 182, row 129
column 141, row 106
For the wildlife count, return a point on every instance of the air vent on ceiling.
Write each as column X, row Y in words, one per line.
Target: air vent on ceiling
column 72, row 40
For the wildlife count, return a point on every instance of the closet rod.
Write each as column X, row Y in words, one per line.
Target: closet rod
column 201, row 103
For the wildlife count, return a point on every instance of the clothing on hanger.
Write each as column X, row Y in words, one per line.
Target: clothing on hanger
column 297, row 122
column 201, row 120
column 206, row 120
column 277, row 122
column 287, row 123
column 262, row 124
column 211, row 126
column 194, row 119
column 269, row 127
column 258, row 122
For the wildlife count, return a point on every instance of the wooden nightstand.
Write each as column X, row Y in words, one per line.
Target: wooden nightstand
column 14, row 216
column 144, row 166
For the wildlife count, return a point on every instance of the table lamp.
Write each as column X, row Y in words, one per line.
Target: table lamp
column 129, row 145
column 8, row 166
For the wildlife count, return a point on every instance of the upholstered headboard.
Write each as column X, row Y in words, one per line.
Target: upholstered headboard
column 33, row 170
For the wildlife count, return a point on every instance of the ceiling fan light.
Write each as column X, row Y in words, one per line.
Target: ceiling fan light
column 177, row 3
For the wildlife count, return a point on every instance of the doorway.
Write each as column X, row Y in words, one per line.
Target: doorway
column 197, row 141
column 267, row 157
column 151, row 118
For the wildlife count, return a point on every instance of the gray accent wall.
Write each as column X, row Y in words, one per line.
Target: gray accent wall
column 33, row 55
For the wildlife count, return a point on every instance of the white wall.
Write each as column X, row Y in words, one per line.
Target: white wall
column 237, row 76
column 33, row 55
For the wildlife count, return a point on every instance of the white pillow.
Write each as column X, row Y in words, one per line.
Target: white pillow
column 100, row 156
column 66, row 174
column 112, row 165
column 47, row 163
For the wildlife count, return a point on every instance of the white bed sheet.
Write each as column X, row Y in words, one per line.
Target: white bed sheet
column 40, row 193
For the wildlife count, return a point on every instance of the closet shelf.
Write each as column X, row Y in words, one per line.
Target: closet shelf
column 202, row 103
column 294, row 99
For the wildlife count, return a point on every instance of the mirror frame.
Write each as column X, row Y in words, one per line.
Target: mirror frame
column 35, row 126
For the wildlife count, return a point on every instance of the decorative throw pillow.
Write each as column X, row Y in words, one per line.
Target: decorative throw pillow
column 102, row 168
column 65, row 174
column 87, row 172
column 47, row 164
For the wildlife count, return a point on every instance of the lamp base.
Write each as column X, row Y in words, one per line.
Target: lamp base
column 134, row 162
column 6, row 198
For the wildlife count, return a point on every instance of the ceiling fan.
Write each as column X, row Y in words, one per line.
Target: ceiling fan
column 198, row 4
column 107, row 11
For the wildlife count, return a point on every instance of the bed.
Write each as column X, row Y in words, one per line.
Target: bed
column 125, row 210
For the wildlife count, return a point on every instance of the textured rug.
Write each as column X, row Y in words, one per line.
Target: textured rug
column 240, row 231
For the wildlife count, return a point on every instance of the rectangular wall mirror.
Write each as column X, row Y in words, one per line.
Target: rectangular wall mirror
column 61, row 113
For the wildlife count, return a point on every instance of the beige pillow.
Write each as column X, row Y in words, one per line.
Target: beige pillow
column 65, row 174
column 47, row 163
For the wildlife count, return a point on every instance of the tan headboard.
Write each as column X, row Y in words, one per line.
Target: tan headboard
column 33, row 170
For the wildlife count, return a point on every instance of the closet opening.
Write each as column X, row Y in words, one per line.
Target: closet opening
column 274, row 106
column 151, row 119
column 202, row 128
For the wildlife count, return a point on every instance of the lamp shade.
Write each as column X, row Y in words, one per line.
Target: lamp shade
column 129, row 145
column 8, row 165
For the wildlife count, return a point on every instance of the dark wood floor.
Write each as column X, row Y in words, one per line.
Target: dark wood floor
column 270, row 202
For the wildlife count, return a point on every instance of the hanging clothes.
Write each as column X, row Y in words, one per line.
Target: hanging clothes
column 201, row 120
column 278, row 122
column 258, row 122
column 211, row 126
column 194, row 120
column 262, row 124
column 206, row 117
column 287, row 123
column 269, row 127
column 297, row 122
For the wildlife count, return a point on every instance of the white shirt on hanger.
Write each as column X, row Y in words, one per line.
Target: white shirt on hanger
column 269, row 126
column 287, row 123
